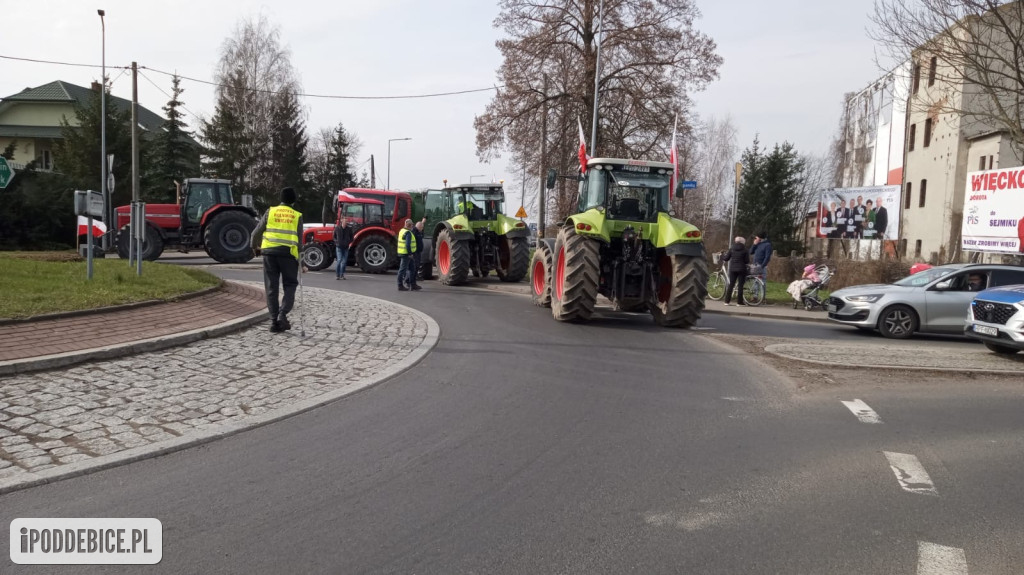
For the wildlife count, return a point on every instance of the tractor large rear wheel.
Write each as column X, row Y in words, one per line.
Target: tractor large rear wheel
column 540, row 275
column 577, row 265
column 682, row 287
column 452, row 259
column 152, row 244
column 513, row 259
column 375, row 254
column 226, row 238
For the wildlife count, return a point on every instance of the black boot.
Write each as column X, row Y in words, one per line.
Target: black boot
column 284, row 323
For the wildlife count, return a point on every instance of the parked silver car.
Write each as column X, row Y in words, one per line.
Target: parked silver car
column 934, row 300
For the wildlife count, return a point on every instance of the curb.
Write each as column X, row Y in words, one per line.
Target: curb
column 750, row 313
column 16, row 366
column 113, row 308
column 220, row 431
column 768, row 349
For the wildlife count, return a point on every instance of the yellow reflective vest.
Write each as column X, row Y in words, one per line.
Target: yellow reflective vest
column 402, row 251
column 282, row 229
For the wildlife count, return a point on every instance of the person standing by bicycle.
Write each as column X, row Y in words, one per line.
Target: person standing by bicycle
column 761, row 254
column 738, row 258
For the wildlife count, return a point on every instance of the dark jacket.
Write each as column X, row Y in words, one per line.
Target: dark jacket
column 762, row 253
column 343, row 235
column 881, row 220
column 738, row 258
column 418, row 234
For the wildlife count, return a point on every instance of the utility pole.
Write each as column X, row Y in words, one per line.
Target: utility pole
column 108, row 209
column 373, row 174
column 735, row 199
column 543, row 160
column 597, row 80
column 140, row 220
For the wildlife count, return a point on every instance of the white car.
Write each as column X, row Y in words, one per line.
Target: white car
column 996, row 317
column 934, row 300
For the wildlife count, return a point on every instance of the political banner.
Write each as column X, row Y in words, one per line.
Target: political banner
column 994, row 211
column 870, row 213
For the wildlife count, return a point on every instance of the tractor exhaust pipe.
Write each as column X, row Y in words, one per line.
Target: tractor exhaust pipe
column 177, row 192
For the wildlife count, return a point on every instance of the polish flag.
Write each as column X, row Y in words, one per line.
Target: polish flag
column 674, row 158
column 583, row 149
column 98, row 227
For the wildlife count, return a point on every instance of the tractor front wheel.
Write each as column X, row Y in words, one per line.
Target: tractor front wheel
column 577, row 265
column 513, row 259
column 452, row 259
column 682, row 287
column 152, row 244
column 375, row 254
column 540, row 275
column 317, row 257
column 226, row 238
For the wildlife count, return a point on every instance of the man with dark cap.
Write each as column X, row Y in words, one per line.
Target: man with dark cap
column 762, row 252
column 278, row 238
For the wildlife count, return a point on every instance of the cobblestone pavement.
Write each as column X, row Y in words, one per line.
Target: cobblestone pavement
column 51, row 419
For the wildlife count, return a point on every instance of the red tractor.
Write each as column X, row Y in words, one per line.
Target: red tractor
column 379, row 215
column 205, row 216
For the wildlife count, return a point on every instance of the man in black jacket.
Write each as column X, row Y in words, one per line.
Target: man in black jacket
column 738, row 258
column 417, row 232
column 343, row 232
column 881, row 219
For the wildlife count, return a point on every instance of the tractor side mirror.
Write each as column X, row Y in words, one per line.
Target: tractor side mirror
column 679, row 189
column 552, row 176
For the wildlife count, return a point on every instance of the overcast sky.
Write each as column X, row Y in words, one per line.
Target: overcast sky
column 787, row 65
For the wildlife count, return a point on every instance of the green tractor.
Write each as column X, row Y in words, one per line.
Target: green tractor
column 625, row 245
column 468, row 232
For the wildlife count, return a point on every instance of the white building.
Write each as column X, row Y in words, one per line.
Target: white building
column 874, row 132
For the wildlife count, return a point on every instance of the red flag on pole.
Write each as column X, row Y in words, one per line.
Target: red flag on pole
column 583, row 149
column 674, row 158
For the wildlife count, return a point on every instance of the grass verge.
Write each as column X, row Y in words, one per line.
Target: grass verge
column 34, row 283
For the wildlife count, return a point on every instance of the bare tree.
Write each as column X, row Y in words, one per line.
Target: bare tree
column 713, row 166
column 652, row 58
column 972, row 54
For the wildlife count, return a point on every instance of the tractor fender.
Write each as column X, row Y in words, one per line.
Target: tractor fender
column 511, row 227
column 672, row 231
column 374, row 230
column 466, row 233
column 221, row 208
column 686, row 249
column 590, row 224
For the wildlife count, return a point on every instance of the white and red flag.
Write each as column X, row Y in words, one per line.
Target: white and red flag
column 583, row 148
column 98, row 227
column 674, row 158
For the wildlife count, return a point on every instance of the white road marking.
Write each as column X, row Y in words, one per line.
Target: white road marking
column 862, row 411
column 910, row 473
column 933, row 559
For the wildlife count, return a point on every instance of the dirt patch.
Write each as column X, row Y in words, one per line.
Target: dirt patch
column 44, row 256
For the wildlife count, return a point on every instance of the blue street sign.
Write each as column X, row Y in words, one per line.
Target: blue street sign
column 689, row 184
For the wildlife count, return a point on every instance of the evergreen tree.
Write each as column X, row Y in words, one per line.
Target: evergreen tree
column 225, row 154
column 340, row 173
column 290, row 164
column 174, row 156
column 769, row 194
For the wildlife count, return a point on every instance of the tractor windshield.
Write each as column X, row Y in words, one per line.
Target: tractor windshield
column 362, row 214
column 635, row 193
column 481, row 205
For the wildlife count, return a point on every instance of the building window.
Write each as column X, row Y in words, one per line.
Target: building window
column 917, row 249
column 931, row 71
column 927, row 132
column 921, row 193
column 917, row 77
column 990, row 162
column 981, row 164
column 912, row 137
column 906, row 199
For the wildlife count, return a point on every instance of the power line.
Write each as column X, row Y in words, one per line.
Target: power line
column 194, row 115
column 58, row 63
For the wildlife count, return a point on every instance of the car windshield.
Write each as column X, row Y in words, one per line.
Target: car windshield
column 925, row 277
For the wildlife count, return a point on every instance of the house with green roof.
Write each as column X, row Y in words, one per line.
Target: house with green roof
column 32, row 118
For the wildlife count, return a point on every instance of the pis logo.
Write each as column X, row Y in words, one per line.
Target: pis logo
column 972, row 220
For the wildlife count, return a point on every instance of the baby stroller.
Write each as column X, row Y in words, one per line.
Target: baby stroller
column 807, row 291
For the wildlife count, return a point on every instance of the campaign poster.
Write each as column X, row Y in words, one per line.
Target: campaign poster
column 869, row 213
column 994, row 211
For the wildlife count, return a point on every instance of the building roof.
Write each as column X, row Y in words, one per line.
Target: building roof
column 59, row 91
column 50, row 132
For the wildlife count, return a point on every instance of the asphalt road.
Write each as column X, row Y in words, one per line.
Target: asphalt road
column 522, row 445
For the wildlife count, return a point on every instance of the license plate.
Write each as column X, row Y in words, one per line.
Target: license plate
column 831, row 308
column 985, row 330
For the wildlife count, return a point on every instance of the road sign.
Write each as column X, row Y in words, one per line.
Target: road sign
column 689, row 184
column 88, row 203
column 110, row 183
column 521, row 213
column 6, row 173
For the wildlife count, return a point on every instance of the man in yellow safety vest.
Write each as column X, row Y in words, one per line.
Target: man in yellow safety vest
column 406, row 248
column 278, row 238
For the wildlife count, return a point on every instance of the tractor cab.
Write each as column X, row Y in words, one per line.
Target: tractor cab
column 479, row 202
column 199, row 195
column 361, row 212
column 628, row 190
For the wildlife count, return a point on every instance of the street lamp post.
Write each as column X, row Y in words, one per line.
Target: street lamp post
column 389, row 156
column 108, row 209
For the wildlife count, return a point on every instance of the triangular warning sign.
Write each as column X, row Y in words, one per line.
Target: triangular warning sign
column 521, row 213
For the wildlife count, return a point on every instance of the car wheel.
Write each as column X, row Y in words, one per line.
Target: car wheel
column 898, row 322
column 1001, row 349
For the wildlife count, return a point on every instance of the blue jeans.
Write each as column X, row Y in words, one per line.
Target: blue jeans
column 342, row 260
column 404, row 269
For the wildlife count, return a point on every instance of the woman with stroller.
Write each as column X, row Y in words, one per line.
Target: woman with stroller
column 738, row 258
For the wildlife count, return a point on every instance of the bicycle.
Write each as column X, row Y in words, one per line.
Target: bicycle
column 753, row 287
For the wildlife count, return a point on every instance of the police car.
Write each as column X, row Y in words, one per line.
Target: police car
column 996, row 317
